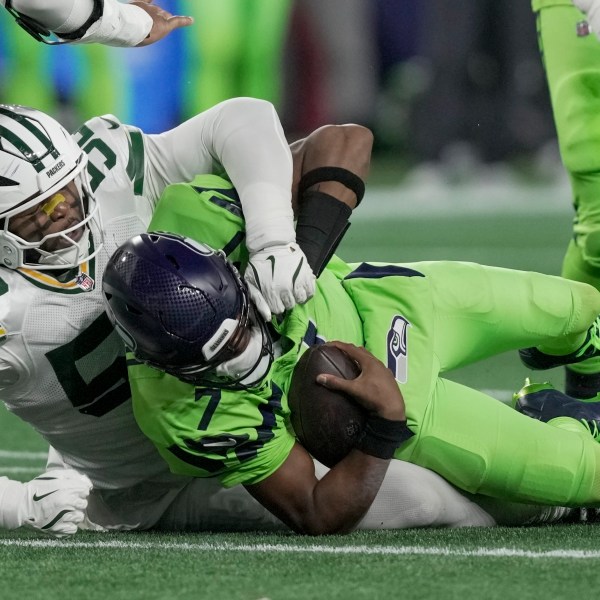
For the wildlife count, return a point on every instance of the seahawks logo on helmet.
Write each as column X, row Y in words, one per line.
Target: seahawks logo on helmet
column 397, row 349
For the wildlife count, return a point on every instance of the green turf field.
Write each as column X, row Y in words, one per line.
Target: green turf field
column 493, row 222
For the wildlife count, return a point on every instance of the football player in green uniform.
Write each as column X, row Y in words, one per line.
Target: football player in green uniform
column 237, row 50
column 216, row 403
column 571, row 56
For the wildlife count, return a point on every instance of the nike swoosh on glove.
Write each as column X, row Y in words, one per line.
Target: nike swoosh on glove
column 282, row 275
column 55, row 502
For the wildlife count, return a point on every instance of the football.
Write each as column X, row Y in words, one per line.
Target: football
column 327, row 423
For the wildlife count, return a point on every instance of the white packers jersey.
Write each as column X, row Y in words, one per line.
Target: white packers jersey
column 62, row 367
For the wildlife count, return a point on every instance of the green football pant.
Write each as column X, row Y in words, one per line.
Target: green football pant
column 572, row 65
column 477, row 443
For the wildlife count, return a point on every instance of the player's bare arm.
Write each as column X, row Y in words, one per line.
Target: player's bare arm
column 345, row 146
column 330, row 167
column 337, row 502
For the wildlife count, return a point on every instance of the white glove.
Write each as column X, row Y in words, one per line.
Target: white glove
column 282, row 275
column 52, row 503
column 592, row 10
column 259, row 301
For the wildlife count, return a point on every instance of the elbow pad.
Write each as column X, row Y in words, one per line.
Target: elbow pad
column 322, row 222
column 323, row 219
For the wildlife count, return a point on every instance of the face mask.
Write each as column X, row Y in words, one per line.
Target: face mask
column 32, row 255
column 70, row 255
column 251, row 364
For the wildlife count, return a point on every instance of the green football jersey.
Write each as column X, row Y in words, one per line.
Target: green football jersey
column 239, row 437
column 421, row 320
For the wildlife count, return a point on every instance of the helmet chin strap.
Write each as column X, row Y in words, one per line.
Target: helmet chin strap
column 258, row 372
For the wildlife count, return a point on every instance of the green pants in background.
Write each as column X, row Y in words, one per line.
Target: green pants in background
column 571, row 56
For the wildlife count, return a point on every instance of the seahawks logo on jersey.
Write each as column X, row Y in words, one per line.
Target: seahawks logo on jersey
column 397, row 351
column 3, row 334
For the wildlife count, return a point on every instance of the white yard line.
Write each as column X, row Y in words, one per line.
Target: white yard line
column 310, row 549
column 4, row 470
column 494, row 195
column 16, row 455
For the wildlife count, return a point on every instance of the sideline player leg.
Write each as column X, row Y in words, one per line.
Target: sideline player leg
column 571, row 56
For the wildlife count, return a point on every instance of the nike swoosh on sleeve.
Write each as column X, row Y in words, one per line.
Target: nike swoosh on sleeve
column 111, row 124
column 220, row 444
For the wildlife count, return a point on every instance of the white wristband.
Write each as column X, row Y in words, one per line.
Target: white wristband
column 269, row 216
column 120, row 25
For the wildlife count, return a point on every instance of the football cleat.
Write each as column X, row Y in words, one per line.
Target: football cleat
column 537, row 360
column 577, row 425
column 555, row 514
column 543, row 402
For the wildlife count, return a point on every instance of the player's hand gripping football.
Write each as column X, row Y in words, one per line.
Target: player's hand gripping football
column 282, row 275
column 54, row 502
column 375, row 388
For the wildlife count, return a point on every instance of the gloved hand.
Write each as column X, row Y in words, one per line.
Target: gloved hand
column 259, row 301
column 282, row 275
column 52, row 503
column 592, row 10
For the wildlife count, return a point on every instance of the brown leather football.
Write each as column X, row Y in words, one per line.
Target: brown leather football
column 327, row 423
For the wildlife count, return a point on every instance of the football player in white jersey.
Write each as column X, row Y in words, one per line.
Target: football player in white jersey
column 66, row 203
column 109, row 22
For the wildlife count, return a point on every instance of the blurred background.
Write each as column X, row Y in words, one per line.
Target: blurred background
column 446, row 86
column 465, row 165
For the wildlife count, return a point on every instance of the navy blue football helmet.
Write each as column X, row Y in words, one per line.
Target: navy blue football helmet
column 181, row 307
